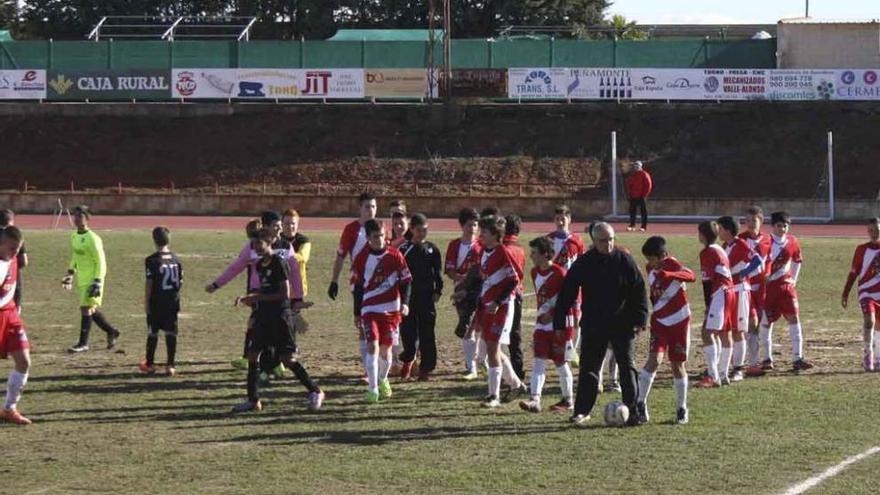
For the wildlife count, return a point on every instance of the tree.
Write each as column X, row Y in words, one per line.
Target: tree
column 626, row 30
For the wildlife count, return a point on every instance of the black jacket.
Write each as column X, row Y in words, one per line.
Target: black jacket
column 426, row 268
column 614, row 297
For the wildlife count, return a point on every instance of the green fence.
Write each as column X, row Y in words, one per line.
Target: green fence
column 466, row 54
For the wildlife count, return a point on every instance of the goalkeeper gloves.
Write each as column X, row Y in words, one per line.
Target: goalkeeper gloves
column 95, row 288
column 333, row 290
column 67, row 281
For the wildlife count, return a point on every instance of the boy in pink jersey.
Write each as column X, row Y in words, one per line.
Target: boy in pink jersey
column 866, row 269
column 670, row 325
column 781, row 301
column 382, row 286
column 548, row 279
column 720, row 305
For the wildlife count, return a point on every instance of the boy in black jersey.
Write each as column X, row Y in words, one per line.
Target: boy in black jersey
column 162, row 300
column 273, row 318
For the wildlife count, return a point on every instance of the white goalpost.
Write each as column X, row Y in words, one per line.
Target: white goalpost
column 824, row 194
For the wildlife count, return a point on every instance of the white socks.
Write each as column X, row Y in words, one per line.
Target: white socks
column 362, row 346
column 469, row 346
column 739, row 354
column 495, row 382
column 612, row 365
column 711, row 356
column 14, row 386
column 876, row 345
column 766, row 336
column 797, row 341
column 681, row 391
column 539, row 376
column 507, row 372
column 372, row 365
column 395, row 354
column 566, row 382
column 384, row 368
column 754, row 346
column 646, row 379
column 724, row 362
column 481, row 353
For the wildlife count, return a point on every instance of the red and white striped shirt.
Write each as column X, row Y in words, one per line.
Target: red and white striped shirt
column 498, row 274
column 8, row 282
column 784, row 262
column 380, row 274
column 566, row 248
column 760, row 244
column 866, row 266
column 461, row 256
column 740, row 256
column 353, row 240
column 548, row 284
column 715, row 268
column 669, row 292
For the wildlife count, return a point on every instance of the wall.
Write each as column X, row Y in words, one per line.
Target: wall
column 466, row 54
column 829, row 45
column 343, row 206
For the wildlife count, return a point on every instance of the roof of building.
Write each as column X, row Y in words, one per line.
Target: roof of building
column 813, row 20
column 385, row 35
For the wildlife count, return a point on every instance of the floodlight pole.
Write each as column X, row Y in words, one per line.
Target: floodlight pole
column 614, row 173
column 831, row 211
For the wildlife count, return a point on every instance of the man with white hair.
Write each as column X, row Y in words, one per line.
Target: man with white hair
column 638, row 187
column 614, row 310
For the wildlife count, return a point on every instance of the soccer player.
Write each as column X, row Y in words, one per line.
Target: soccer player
column 164, row 274
column 548, row 278
column 382, row 289
column 720, row 306
column 760, row 243
column 462, row 255
column 7, row 219
column 352, row 242
column 567, row 246
column 783, row 270
column 670, row 325
column 512, row 225
column 400, row 219
column 866, row 269
column 13, row 339
column 744, row 263
column 496, row 307
column 417, row 329
column 302, row 245
column 88, row 266
column 273, row 317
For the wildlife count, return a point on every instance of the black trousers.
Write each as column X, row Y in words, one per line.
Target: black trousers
column 515, row 346
column 594, row 343
column 417, row 334
column 638, row 204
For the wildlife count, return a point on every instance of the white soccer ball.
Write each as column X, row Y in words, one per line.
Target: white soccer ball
column 616, row 414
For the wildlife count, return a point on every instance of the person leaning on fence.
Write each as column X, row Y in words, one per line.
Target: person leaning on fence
column 614, row 309
column 638, row 187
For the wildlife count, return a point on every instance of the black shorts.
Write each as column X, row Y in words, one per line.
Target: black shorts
column 273, row 330
column 165, row 321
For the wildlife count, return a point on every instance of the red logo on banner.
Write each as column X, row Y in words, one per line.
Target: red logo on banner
column 186, row 83
column 29, row 76
column 317, row 83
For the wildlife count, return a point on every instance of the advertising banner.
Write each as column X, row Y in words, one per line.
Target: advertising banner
column 22, row 84
column 667, row 84
column 125, row 84
column 857, row 84
column 479, row 83
column 398, row 83
column 546, row 83
column 268, row 84
column 800, row 84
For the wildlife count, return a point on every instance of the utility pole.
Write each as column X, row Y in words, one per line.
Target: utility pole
column 807, row 9
column 447, row 48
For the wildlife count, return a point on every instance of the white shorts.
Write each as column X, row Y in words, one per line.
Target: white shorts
column 717, row 314
column 743, row 310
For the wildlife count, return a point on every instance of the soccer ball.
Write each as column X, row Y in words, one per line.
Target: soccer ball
column 616, row 414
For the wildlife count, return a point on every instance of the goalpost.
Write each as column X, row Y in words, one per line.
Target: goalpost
column 824, row 194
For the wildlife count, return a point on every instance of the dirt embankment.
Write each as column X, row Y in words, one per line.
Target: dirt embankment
column 728, row 150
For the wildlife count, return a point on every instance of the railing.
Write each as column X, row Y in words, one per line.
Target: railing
column 164, row 28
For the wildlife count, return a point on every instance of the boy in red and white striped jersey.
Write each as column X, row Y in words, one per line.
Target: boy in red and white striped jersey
column 781, row 301
column 670, row 325
column 462, row 255
column 720, row 305
column 866, row 269
column 760, row 243
column 548, row 278
column 382, row 285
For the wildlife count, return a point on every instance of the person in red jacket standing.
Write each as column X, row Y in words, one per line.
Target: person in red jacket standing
column 638, row 188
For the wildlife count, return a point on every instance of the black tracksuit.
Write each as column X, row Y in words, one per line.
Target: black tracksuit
column 417, row 328
column 614, row 302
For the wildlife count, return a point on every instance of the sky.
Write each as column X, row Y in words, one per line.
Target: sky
column 741, row 11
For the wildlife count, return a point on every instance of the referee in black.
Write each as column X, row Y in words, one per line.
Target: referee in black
column 417, row 328
column 614, row 309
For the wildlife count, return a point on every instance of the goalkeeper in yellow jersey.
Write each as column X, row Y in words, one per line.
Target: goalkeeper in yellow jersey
column 88, row 268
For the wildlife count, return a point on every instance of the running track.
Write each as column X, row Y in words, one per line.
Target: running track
column 43, row 222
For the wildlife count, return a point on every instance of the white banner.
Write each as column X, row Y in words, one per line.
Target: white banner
column 268, row 84
column 546, row 83
column 857, row 84
column 22, row 84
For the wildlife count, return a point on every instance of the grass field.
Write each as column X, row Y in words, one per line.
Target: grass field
column 100, row 427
